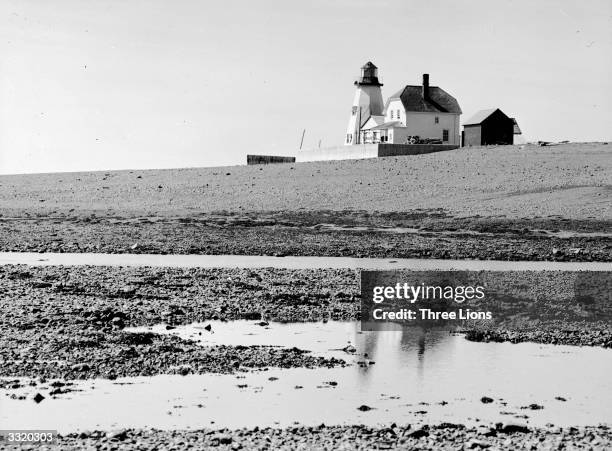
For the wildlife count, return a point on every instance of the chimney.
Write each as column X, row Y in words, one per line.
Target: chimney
column 426, row 86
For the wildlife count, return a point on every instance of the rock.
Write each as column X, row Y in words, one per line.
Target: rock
column 251, row 315
column 476, row 444
column 38, row 398
column 419, row 433
column 41, row 284
column 350, row 349
column 487, row 431
column 80, row 367
column 512, row 427
column 486, row 400
column 532, row 407
column 208, row 327
column 364, row 408
column 222, row 439
column 560, row 398
column 118, row 435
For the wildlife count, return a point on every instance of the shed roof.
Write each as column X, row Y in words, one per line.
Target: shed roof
column 439, row 100
column 480, row 116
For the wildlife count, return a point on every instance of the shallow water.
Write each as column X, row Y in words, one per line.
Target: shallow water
column 565, row 234
column 407, row 377
column 289, row 262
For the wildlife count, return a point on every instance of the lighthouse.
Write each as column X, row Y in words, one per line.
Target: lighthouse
column 368, row 102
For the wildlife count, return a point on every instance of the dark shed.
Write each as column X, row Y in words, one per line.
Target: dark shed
column 488, row 127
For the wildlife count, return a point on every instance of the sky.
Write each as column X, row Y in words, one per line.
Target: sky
column 130, row 84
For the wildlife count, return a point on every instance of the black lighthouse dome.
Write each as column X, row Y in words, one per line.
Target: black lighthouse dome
column 369, row 75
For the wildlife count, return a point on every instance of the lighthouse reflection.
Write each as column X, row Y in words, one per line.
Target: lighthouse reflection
column 397, row 348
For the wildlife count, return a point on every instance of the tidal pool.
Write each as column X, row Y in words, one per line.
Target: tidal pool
column 288, row 262
column 404, row 376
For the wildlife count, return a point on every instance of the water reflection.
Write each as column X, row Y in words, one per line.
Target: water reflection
column 406, row 376
column 403, row 344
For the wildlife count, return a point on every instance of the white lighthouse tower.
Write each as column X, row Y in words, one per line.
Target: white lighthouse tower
column 368, row 102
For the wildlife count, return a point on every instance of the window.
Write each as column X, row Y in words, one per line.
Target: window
column 349, row 138
column 391, row 114
column 398, row 116
column 437, row 120
column 354, row 110
column 445, row 135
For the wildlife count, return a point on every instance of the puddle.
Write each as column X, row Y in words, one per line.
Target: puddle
column 563, row 234
column 407, row 377
column 322, row 338
column 289, row 262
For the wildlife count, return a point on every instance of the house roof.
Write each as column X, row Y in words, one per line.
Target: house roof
column 480, row 116
column 368, row 65
column 387, row 125
column 377, row 120
column 439, row 100
column 365, row 116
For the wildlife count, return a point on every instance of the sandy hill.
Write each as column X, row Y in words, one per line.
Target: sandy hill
column 571, row 180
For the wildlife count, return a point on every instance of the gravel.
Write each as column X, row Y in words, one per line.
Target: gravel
column 422, row 234
column 445, row 436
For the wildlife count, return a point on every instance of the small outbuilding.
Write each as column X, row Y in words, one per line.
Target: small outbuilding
column 486, row 127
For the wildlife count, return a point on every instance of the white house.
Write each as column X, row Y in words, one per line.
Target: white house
column 426, row 112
